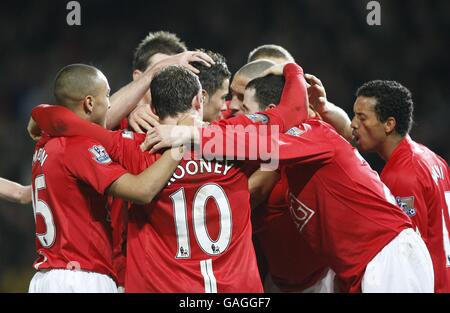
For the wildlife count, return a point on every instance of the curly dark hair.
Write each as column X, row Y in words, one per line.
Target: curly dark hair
column 156, row 42
column 392, row 100
column 268, row 89
column 173, row 89
column 212, row 77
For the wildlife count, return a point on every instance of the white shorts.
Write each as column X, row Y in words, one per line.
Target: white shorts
column 403, row 265
column 324, row 285
column 69, row 281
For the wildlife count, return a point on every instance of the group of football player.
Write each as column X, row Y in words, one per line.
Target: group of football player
column 128, row 194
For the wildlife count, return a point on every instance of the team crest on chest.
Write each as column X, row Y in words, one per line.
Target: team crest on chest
column 100, row 154
column 407, row 205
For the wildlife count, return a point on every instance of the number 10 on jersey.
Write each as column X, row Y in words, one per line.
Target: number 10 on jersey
column 199, row 219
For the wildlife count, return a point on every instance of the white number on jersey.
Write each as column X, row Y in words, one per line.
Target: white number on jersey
column 444, row 228
column 40, row 207
column 201, row 234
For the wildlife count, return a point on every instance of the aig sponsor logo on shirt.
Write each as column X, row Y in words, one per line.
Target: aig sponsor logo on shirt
column 407, row 205
column 300, row 213
column 100, row 154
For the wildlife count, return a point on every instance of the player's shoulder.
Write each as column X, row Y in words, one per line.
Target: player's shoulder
column 406, row 168
column 77, row 142
column 77, row 147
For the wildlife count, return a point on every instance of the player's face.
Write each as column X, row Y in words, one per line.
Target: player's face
column 237, row 94
column 216, row 103
column 368, row 132
column 250, row 104
column 101, row 104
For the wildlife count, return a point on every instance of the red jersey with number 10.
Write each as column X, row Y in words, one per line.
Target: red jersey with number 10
column 196, row 234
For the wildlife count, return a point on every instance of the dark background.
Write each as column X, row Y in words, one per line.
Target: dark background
column 330, row 39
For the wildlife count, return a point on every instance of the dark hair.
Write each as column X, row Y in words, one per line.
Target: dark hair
column 173, row 89
column 268, row 89
column 156, row 42
column 392, row 100
column 74, row 82
column 212, row 77
column 270, row 51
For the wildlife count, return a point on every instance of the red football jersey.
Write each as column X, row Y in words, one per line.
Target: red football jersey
column 282, row 245
column 209, row 258
column 419, row 180
column 196, row 234
column 119, row 221
column 69, row 177
column 338, row 203
column 276, row 232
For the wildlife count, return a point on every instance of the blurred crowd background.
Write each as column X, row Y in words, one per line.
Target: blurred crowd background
column 329, row 38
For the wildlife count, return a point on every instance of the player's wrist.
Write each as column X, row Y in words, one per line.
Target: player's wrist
column 292, row 69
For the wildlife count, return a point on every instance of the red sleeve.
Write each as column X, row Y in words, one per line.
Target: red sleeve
column 127, row 152
column 293, row 107
column 291, row 111
column 88, row 161
column 303, row 144
column 305, row 148
column 59, row 121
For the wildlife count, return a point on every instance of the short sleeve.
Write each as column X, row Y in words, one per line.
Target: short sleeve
column 87, row 160
column 127, row 152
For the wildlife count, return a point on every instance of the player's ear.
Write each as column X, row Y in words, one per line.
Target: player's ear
column 205, row 97
column 136, row 74
column 88, row 104
column 271, row 106
column 197, row 102
column 152, row 108
column 389, row 125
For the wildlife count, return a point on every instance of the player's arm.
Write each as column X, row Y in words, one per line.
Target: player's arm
column 292, row 109
column 144, row 187
column 14, row 192
column 260, row 185
column 329, row 112
column 126, row 98
column 88, row 161
column 59, row 121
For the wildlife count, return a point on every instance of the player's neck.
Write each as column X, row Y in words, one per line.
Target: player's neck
column 174, row 120
column 169, row 121
column 78, row 110
column 388, row 146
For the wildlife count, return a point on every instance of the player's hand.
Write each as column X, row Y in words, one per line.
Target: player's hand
column 316, row 92
column 184, row 59
column 276, row 69
column 142, row 119
column 33, row 130
column 166, row 136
